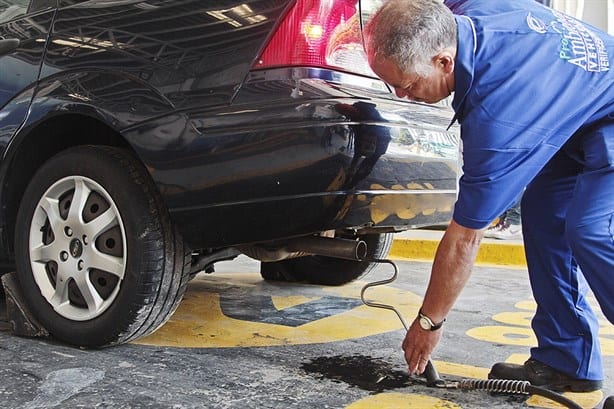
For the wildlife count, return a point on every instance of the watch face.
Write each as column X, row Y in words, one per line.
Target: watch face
column 425, row 324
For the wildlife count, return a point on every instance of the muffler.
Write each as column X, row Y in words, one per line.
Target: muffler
column 308, row 246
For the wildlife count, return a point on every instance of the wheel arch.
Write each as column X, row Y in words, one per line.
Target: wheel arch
column 33, row 146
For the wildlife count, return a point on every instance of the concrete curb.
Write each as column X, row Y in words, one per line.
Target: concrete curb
column 421, row 245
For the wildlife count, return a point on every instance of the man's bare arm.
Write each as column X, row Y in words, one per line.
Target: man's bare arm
column 452, row 267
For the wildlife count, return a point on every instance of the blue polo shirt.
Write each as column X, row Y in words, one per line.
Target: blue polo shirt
column 527, row 79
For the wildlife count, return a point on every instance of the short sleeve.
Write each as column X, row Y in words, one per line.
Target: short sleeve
column 499, row 161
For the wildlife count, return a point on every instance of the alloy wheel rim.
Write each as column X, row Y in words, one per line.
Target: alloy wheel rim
column 77, row 248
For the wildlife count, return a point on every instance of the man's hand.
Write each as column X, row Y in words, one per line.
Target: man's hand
column 451, row 270
column 418, row 346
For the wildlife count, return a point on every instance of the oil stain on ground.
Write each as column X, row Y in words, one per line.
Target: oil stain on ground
column 364, row 372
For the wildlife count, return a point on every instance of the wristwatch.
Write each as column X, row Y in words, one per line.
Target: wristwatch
column 427, row 324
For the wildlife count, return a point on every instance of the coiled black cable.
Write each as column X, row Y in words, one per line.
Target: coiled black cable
column 516, row 387
column 495, row 385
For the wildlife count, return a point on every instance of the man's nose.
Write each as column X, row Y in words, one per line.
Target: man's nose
column 400, row 92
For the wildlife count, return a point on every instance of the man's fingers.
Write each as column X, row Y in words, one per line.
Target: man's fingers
column 417, row 361
column 418, row 365
column 422, row 365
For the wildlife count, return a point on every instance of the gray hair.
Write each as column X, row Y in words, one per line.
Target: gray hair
column 410, row 33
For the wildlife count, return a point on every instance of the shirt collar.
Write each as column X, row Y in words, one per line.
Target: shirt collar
column 464, row 63
column 452, row 4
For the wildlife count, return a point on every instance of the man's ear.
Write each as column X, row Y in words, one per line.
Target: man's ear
column 445, row 61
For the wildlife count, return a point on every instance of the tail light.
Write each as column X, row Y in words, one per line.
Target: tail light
column 318, row 33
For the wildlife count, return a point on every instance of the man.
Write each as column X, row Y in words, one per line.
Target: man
column 534, row 94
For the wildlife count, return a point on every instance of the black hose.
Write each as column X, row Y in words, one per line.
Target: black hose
column 432, row 376
column 557, row 397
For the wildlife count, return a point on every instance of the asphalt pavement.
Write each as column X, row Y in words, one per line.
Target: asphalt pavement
column 237, row 341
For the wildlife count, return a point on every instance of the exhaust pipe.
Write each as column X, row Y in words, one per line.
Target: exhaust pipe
column 329, row 247
column 355, row 250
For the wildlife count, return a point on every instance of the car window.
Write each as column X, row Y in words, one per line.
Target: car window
column 9, row 9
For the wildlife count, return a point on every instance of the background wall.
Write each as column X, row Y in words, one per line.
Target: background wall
column 599, row 13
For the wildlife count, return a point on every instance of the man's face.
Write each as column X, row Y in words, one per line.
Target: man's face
column 438, row 85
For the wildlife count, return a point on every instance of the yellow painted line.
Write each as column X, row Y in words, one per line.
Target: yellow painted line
column 395, row 400
column 281, row 303
column 502, row 254
column 517, row 329
column 413, row 249
column 461, row 370
column 199, row 322
column 508, row 254
column 507, row 335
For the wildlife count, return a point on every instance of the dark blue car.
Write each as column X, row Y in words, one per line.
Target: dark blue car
column 144, row 140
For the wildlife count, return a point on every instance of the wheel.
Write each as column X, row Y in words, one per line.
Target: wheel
column 97, row 257
column 326, row 270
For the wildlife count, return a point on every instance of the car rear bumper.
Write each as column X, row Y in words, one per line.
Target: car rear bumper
column 302, row 151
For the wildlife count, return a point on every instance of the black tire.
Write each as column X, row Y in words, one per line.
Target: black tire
column 108, row 267
column 326, row 270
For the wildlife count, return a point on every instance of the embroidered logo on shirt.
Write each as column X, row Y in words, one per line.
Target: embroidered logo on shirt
column 579, row 45
column 536, row 24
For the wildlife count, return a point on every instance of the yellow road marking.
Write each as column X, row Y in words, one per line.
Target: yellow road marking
column 199, row 322
column 509, row 254
column 281, row 303
column 519, row 332
column 521, row 318
column 460, row 370
column 402, row 401
column 499, row 334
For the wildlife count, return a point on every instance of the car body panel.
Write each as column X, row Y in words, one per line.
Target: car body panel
column 234, row 174
column 21, row 65
column 239, row 155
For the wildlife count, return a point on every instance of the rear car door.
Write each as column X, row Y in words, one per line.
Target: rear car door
column 24, row 26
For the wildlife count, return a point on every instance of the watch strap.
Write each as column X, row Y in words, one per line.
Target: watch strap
column 433, row 326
